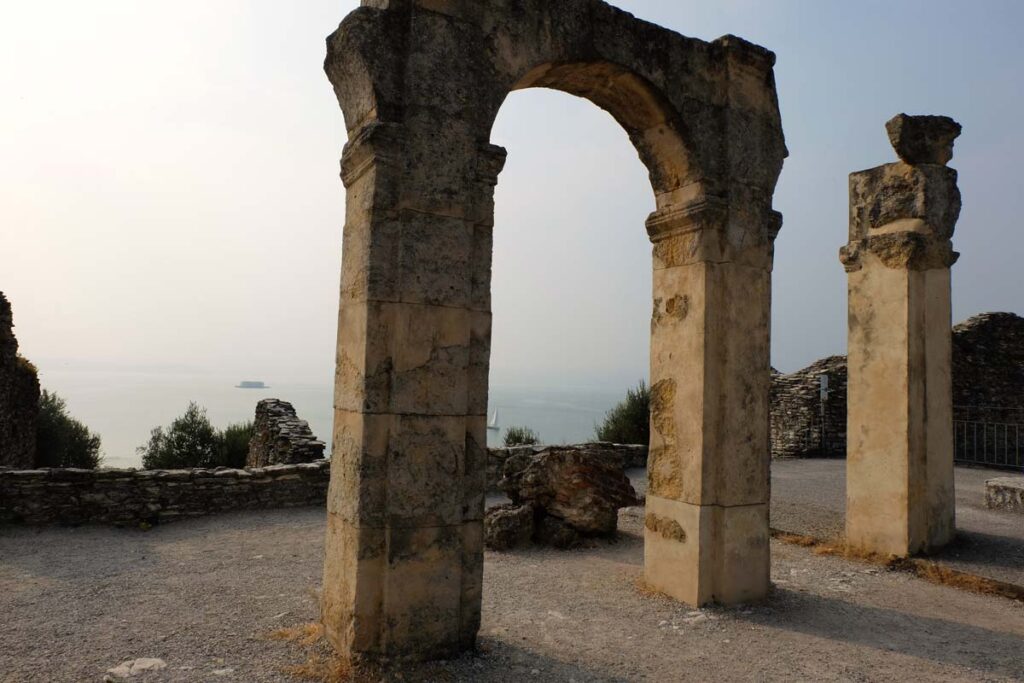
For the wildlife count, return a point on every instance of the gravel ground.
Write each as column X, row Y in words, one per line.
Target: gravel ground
column 808, row 497
column 203, row 594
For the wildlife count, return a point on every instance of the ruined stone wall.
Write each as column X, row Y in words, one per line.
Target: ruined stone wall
column 280, row 437
column 131, row 497
column 988, row 368
column 799, row 427
column 988, row 386
column 19, row 397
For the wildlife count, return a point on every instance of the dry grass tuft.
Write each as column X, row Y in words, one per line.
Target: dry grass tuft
column 305, row 635
column 944, row 576
column 931, row 572
column 322, row 669
column 647, row 590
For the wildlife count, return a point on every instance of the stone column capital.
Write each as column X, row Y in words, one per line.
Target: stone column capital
column 490, row 163
column 713, row 230
column 906, row 250
column 904, row 214
column 376, row 143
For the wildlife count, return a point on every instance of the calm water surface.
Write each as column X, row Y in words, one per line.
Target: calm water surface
column 123, row 407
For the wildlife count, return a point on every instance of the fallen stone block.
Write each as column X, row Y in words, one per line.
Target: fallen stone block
column 1005, row 493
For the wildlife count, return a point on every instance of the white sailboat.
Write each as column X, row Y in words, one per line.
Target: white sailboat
column 493, row 424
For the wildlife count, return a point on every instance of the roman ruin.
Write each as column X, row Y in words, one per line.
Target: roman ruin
column 280, row 437
column 420, row 83
column 19, row 398
column 899, row 497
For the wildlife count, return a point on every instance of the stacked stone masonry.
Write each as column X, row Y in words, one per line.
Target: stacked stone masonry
column 19, row 397
column 280, row 437
column 420, row 83
column 988, row 386
column 805, row 423
column 899, row 466
column 132, row 497
column 129, row 497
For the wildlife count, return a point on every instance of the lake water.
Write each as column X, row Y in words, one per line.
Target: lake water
column 123, row 407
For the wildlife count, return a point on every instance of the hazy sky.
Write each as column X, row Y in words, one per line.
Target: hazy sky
column 169, row 192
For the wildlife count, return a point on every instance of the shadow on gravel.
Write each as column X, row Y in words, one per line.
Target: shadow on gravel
column 992, row 550
column 890, row 630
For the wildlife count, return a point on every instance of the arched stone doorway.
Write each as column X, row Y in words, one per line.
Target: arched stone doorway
column 420, row 83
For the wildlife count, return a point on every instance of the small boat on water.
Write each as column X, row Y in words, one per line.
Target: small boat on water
column 251, row 384
column 493, row 424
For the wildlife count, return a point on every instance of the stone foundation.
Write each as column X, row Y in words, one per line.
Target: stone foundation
column 132, row 497
column 1005, row 493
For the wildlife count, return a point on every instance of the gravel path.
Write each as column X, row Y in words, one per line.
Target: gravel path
column 809, row 497
column 202, row 595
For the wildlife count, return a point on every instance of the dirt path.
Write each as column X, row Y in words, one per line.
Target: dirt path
column 201, row 594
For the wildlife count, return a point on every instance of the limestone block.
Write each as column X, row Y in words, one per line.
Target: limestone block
column 508, row 526
column 584, row 492
column 405, row 471
column 405, row 592
column 402, row 358
column 703, row 554
column 1005, row 493
column 923, row 139
column 898, row 193
column 479, row 363
column 709, row 437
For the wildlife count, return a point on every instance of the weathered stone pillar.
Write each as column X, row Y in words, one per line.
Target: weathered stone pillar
column 706, row 537
column 899, row 491
column 404, row 550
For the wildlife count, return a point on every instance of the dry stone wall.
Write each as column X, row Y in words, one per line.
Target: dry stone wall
column 132, row 497
column 988, row 368
column 988, row 386
column 803, row 424
column 280, row 437
column 19, row 397
column 128, row 497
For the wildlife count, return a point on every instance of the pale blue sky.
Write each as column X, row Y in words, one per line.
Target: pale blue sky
column 169, row 193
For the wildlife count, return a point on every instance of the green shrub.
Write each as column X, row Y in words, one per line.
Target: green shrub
column 233, row 442
column 190, row 441
column 630, row 421
column 61, row 440
column 521, row 436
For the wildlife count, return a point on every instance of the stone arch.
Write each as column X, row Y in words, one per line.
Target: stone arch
column 420, row 83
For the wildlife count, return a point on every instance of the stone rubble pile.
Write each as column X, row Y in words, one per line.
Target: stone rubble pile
column 561, row 495
column 280, row 437
column 624, row 456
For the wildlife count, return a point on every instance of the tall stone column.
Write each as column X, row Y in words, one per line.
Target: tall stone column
column 899, row 489
column 706, row 537
column 404, row 548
